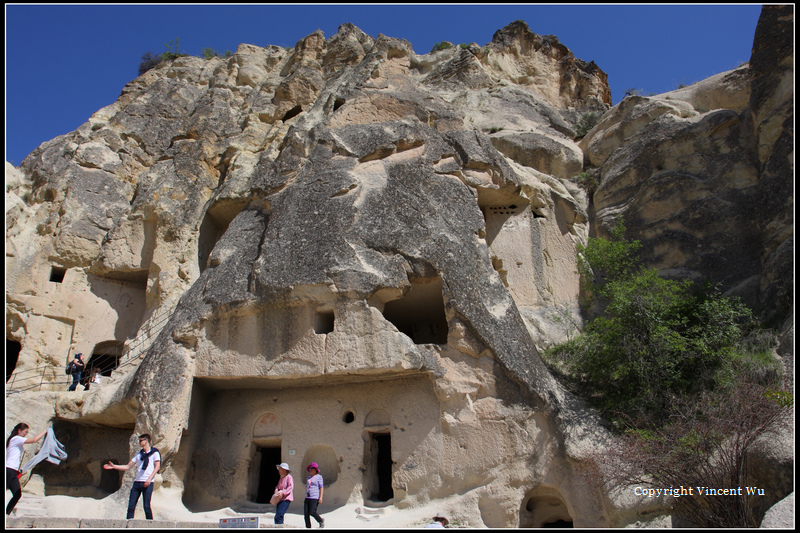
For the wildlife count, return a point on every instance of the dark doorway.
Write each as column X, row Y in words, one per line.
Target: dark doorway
column 557, row 523
column 268, row 473
column 12, row 355
column 381, row 467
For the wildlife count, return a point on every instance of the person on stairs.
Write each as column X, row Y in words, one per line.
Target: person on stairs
column 14, row 451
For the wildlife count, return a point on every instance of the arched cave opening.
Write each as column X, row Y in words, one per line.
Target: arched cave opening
column 12, row 356
column 544, row 507
column 420, row 313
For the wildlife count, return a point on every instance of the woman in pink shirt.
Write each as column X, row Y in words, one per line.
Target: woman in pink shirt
column 285, row 488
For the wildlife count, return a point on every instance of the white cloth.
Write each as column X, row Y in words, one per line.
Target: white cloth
column 142, row 475
column 14, row 452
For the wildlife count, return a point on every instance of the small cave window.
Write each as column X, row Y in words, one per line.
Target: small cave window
column 57, row 274
column 323, row 322
column 348, row 417
column 420, row 313
column 293, row 112
column 339, row 102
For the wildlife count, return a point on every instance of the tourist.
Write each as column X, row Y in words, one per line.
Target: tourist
column 439, row 521
column 313, row 496
column 14, row 451
column 77, row 367
column 284, row 492
column 94, row 377
column 148, row 461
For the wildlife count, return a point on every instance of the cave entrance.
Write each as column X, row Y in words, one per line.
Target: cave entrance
column 379, row 467
column 420, row 313
column 545, row 507
column 268, row 472
column 12, row 356
column 103, row 361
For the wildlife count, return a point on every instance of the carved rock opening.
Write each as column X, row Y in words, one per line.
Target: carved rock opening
column 544, row 507
column 57, row 274
column 88, row 447
column 420, row 313
column 12, row 355
column 323, row 322
column 267, row 476
column 104, row 360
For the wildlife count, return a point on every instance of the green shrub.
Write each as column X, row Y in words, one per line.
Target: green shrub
column 587, row 182
column 586, row 123
column 656, row 339
column 441, row 45
column 210, row 53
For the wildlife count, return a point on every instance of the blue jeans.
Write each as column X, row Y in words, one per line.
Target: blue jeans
column 283, row 506
column 137, row 489
column 76, row 378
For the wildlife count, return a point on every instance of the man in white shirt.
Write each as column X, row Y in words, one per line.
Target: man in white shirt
column 148, row 461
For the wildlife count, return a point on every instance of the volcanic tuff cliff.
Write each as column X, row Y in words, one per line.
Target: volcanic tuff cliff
column 355, row 244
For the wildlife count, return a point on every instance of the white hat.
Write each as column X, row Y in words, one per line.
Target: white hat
column 441, row 515
column 285, row 466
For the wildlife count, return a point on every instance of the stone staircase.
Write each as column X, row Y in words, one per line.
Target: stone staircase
column 30, row 506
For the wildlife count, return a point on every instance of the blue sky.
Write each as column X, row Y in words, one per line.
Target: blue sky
column 64, row 62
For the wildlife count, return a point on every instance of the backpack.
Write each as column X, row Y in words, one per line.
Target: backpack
column 70, row 368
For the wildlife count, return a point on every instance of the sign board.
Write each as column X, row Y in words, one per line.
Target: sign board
column 250, row 521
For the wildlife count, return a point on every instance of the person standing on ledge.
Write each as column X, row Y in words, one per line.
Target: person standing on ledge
column 77, row 368
column 14, row 445
column 148, row 461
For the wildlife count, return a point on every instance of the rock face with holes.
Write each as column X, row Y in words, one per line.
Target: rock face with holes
column 345, row 253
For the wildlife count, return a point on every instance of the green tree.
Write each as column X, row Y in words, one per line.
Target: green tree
column 655, row 339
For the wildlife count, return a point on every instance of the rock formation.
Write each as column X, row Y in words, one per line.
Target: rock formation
column 348, row 253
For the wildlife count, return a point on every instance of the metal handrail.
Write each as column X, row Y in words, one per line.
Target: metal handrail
column 129, row 356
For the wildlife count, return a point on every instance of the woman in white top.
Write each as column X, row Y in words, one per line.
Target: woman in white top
column 14, row 449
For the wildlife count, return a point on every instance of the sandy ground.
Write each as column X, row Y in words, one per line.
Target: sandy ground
column 167, row 505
